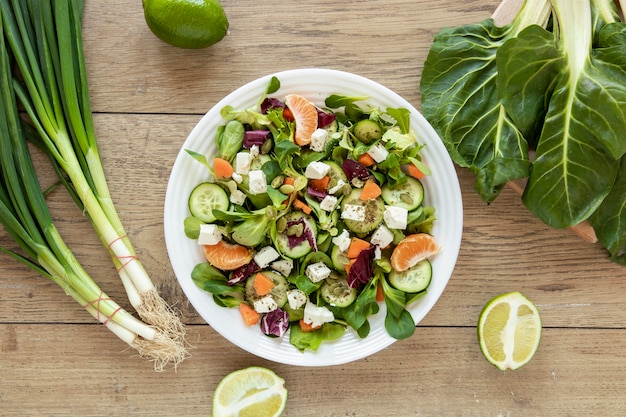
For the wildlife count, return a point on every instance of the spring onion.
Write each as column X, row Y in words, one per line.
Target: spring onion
column 25, row 217
column 46, row 42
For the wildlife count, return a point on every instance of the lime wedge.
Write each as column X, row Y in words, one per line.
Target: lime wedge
column 509, row 330
column 250, row 392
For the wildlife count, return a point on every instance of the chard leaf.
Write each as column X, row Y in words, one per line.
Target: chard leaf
column 583, row 136
column 609, row 221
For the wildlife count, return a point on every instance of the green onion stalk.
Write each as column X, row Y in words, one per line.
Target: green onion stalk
column 46, row 42
column 26, row 218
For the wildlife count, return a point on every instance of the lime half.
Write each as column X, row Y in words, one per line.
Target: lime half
column 509, row 329
column 190, row 24
column 250, row 392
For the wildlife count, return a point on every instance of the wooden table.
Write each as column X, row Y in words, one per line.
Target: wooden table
column 147, row 96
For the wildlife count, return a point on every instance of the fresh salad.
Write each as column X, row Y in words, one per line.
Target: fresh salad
column 313, row 217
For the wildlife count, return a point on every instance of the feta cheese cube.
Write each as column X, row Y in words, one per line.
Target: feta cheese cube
column 209, row 235
column 237, row 178
column 316, row 316
column 296, row 298
column 342, row 240
column 284, row 266
column 328, row 203
column 266, row 304
column 316, row 170
column 265, row 256
column 382, row 237
column 377, row 253
column 254, row 151
column 242, row 163
column 317, row 271
column 353, row 212
column 258, row 182
column 395, row 217
column 237, row 197
column 318, row 140
column 378, row 152
column 339, row 186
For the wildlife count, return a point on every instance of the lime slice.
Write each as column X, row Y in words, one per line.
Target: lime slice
column 509, row 329
column 190, row 24
column 250, row 392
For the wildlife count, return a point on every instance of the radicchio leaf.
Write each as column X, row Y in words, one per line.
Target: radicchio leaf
column 255, row 137
column 307, row 235
column 354, row 169
column 324, row 119
column 243, row 272
column 319, row 195
column 362, row 271
column 275, row 323
column 271, row 103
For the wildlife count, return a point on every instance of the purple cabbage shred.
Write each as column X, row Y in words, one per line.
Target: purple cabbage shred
column 354, row 169
column 255, row 137
column 271, row 103
column 275, row 323
column 243, row 272
column 362, row 271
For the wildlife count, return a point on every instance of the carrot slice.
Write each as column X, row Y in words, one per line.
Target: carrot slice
column 289, row 181
column 415, row 172
column 262, row 284
column 302, row 206
column 356, row 246
column 306, row 327
column 370, row 190
column 366, row 160
column 320, row 184
column 249, row 316
column 380, row 296
column 349, row 265
column 222, row 168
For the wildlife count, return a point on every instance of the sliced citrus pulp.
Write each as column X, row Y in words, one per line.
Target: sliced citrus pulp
column 413, row 249
column 227, row 256
column 305, row 115
column 509, row 329
column 250, row 392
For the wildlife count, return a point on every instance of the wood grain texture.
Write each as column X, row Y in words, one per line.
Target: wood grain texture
column 147, row 96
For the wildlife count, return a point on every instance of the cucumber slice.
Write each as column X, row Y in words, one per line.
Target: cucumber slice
column 408, row 195
column 205, row 198
column 339, row 258
column 335, row 173
column 278, row 293
column 367, row 131
column 282, row 239
column 415, row 279
column 374, row 213
column 336, row 291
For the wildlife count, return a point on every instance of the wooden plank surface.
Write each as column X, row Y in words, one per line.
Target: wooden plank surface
column 54, row 360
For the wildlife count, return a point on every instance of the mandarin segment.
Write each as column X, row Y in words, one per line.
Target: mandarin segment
column 413, row 249
column 305, row 115
column 227, row 256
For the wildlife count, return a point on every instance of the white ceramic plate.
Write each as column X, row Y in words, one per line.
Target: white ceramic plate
column 441, row 191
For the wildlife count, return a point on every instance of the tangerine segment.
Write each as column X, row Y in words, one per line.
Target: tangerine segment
column 413, row 249
column 305, row 115
column 227, row 256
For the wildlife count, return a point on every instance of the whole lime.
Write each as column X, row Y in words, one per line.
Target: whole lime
column 190, row 24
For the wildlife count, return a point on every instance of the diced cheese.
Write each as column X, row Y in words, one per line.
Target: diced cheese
column 237, row 197
column 382, row 237
column 242, row 163
column 342, row 240
column 378, row 152
column 316, row 170
column 296, row 298
column 316, row 316
column 353, row 212
column 265, row 256
column 284, row 266
column 318, row 140
column 328, row 203
column 395, row 217
column 254, row 151
column 266, row 304
column 237, row 178
column 377, row 253
column 209, row 234
column 339, row 186
column 258, row 182
column 317, row 271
